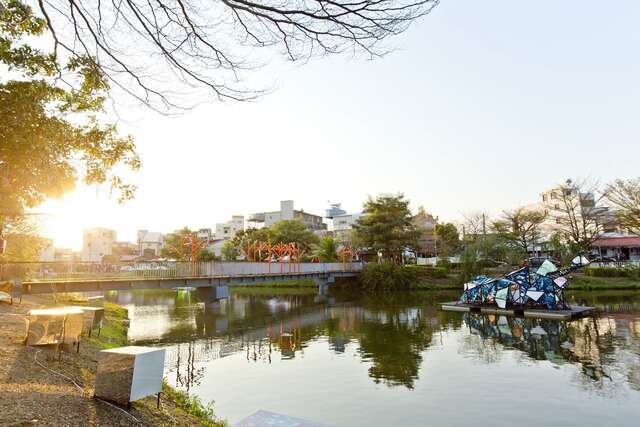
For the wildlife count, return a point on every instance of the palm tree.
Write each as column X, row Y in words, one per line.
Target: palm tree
column 327, row 250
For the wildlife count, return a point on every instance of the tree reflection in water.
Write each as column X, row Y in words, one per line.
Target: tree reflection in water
column 391, row 332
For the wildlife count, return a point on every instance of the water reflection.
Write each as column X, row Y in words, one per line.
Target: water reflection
column 393, row 335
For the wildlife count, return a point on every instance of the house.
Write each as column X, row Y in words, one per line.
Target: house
column 622, row 247
column 228, row 230
column 427, row 240
column 150, row 243
column 204, row 234
column 124, row 251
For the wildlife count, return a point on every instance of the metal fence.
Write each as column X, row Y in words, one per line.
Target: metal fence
column 69, row 271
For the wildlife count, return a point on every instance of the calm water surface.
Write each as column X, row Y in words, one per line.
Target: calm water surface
column 395, row 359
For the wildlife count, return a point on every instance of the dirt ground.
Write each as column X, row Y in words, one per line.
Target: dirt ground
column 32, row 394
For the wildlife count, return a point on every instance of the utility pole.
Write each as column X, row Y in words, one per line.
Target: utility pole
column 484, row 226
column 484, row 235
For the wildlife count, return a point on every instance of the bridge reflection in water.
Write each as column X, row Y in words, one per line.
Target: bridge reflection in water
column 391, row 333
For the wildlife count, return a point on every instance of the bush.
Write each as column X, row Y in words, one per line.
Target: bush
column 430, row 272
column 388, row 276
column 444, row 263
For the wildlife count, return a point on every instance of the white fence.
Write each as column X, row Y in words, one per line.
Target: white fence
column 434, row 260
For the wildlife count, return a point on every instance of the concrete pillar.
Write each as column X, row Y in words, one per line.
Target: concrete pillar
column 323, row 285
column 211, row 295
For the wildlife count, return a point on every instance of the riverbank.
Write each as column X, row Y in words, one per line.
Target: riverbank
column 578, row 282
column 589, row 283
column 37, row 388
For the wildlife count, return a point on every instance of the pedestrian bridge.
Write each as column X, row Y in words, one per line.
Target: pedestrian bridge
column 54, row 277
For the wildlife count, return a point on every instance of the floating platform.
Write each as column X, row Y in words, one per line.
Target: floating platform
column 574, row 311
column 265, row 418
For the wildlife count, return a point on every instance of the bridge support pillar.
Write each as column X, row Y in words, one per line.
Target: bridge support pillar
column 323, row 283
column 211, row 295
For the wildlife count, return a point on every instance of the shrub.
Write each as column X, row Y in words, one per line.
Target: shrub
column 388, row 276
column 444, row 263
column 429, row 271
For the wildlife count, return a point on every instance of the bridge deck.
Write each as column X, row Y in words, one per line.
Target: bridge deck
column 107, row 284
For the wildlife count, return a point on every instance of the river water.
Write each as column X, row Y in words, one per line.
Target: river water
column 395, row 359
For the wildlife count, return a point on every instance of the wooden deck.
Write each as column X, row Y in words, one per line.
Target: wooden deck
column 574, row 312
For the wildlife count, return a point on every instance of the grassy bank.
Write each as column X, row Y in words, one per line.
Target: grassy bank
column 176, row 403
column 589, row 283
column 438, row 284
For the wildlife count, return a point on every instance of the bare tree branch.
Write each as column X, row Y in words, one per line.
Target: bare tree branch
column 144, row 46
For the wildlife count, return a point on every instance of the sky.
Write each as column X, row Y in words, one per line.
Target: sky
column 481, row 107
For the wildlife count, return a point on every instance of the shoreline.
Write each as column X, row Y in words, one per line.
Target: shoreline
column 37, row 388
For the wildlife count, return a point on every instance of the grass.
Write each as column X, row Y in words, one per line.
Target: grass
column 191, row 405
column 588, row 283
column 114, row 328
column 437, row 284
column 578, row 282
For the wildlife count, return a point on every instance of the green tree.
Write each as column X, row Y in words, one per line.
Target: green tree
column 181, row 244
column 229, row 251
column 293, row 231
column 520, row 228
column 447, row 240
column 387, row 226
column 23, row 242
column 577, row 213
column 50, row 133
column 562, row 250
column 243, row 237
column 625, row 196
column 327, row 250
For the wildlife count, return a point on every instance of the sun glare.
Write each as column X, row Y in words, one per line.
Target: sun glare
column 63, row 220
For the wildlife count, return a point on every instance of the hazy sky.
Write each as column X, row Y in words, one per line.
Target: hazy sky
column 482, row 106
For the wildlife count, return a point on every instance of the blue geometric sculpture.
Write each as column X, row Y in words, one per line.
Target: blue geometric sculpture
column 542, row 289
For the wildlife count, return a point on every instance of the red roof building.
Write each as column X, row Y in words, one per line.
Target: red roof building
column 625, row 248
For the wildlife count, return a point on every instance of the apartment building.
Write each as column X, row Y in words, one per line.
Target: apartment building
column 288, row 212
column 97, row 243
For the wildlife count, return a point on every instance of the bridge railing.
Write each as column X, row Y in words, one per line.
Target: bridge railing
column 70, row 271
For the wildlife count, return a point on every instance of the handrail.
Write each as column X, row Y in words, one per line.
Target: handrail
column 78, row 271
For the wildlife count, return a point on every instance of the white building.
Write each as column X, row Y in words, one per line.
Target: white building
column 48, row 252
column 96, row 243
column 150, row 242
column 228, row 230
column 551, row 203
column 215, row 246
column 341, row 223
column 287, row 212
column 204, row 234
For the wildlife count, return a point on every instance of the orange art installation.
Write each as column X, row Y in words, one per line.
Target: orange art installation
column 347, row 252
column 282, row 253
column 188, row 248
